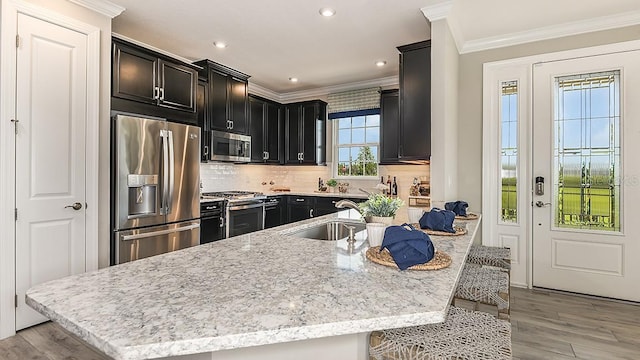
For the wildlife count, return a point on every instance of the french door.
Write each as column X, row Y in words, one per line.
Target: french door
column 586, row 175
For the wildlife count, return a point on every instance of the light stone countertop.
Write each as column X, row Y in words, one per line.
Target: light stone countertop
column 261, row 288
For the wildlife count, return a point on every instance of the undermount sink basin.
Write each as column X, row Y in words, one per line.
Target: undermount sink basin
column 332, row 231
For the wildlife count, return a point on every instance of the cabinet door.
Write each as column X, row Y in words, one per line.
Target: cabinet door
column 256, row 129
column 238, row 105
column 203, row 117
column 293, row 128
column 313, row 133
column 389, row 126
column 273, row 132
column 309, row 124
column 326, row 205
column 177, row 86
column 415, row 103
column 134, row 74
column 300, row 208
column 218, row 92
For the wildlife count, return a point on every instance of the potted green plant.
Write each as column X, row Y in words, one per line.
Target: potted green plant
column 380, row 208
column 332, row 183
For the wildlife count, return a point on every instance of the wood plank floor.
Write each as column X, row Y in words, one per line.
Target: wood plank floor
column 545, row 326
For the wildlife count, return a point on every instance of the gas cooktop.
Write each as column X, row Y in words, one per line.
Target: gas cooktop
column 234, row 195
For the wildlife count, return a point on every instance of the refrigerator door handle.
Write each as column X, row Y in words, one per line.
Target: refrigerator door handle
column 165, row 172
column 171, row 172
column 160, row 232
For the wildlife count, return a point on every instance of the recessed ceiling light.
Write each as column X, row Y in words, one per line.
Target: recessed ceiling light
column 220, row 44
column 381, row 63
column 293, row 79
column 327, row 12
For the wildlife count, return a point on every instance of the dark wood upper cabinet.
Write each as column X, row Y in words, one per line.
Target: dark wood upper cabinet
column 152, row 80
column 389, row 126
column 274, row 133
column 265, row 128
column 228, row 102
column 414, row 140
column 305, row 132
column 202, row 110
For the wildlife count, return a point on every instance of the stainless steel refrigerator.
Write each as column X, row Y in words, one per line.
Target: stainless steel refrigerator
column 156, row 178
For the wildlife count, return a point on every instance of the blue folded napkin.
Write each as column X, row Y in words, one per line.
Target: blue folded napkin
column 459, row 207
column 407, row 245
column 438, row 220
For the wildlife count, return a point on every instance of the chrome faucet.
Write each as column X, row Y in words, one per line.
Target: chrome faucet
column 344, row 203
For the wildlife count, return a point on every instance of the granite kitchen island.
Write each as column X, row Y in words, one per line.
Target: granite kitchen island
column 262, row 295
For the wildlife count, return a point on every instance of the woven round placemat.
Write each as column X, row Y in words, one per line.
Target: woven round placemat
column 441, row 259
column 470, row 216
column 459, row 231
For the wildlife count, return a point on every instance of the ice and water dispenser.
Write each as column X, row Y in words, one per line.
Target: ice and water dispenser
column 143, row 195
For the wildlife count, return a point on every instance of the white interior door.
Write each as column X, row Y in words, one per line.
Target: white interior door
column 586, row 224
column 51, row 107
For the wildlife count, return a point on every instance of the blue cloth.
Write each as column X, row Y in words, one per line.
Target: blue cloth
column 407, row 245
column 459, row 207
column 438, row 220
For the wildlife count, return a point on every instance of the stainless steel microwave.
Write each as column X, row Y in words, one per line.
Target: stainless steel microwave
column 230, row 147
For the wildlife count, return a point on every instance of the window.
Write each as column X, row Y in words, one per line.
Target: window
column 587, row 151
column 356, row 144
column 509, row 151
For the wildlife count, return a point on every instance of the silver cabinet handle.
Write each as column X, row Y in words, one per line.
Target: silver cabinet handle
column 161, row 94
column 311, row 213
column 75, row 206
column 300, row 200
column 206, row 151
column 156, row 93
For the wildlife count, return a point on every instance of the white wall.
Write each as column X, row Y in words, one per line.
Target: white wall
column 444, row 117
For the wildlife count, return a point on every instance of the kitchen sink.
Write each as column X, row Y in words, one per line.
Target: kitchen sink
column 332, row 230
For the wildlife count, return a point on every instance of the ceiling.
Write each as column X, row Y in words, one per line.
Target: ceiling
column 278, row 39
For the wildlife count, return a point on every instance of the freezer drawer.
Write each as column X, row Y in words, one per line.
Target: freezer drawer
column 141, row 243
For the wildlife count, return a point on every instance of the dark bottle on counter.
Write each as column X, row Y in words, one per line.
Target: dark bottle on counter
column 388, row 184
column 394, row 187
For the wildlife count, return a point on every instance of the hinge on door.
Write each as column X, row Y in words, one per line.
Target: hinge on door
column 15, row 124
column 16, row 213
column 17, row 41
column 16, row 300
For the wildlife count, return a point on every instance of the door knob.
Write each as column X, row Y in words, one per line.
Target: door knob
column 541, row 204
column 75, row 206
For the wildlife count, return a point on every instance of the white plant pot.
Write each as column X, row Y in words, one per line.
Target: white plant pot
column 387, row 220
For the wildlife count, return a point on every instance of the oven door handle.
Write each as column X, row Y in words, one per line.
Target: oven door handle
column 245, row 207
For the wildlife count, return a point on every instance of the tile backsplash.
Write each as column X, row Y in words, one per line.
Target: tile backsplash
column 218, row 176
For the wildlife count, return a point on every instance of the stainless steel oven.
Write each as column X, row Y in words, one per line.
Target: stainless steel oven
column 244, row 211
column 244, row 217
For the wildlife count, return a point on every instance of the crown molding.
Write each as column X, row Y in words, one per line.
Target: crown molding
column 321, row 92
column 103, row 7
column 437, row 11
column 552, row 32
column 259, row 90
column 153, row 48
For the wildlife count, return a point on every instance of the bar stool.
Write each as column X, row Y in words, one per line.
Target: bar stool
column 464, row 334
column 490, row 256
column 484, row 285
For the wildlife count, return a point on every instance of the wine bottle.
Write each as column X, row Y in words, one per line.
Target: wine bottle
column 388, row 184
column 394, row 187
